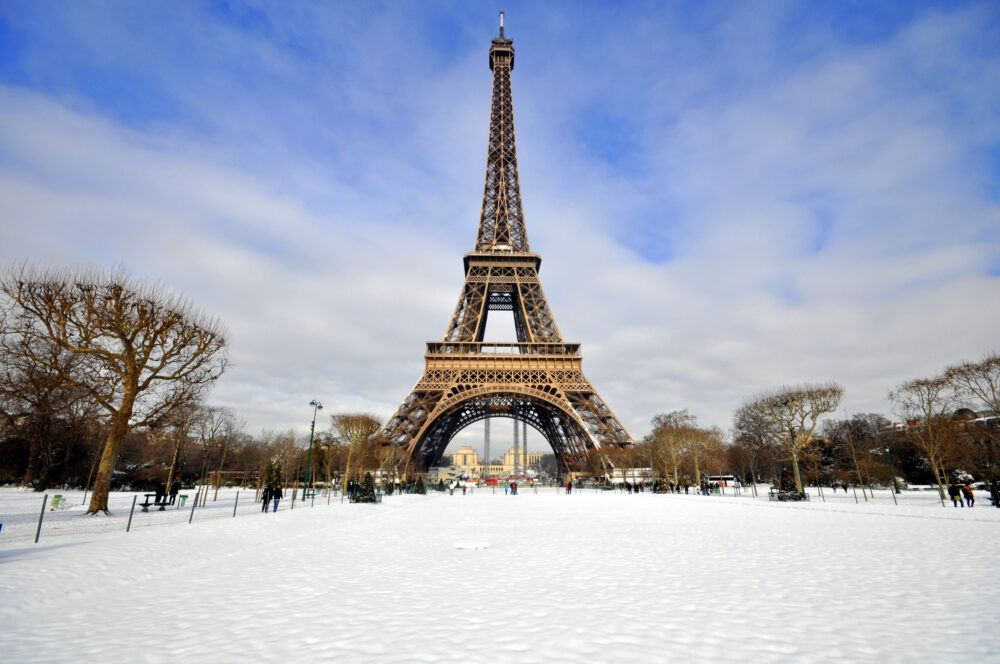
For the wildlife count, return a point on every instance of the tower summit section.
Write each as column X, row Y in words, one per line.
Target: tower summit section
column 537, row 380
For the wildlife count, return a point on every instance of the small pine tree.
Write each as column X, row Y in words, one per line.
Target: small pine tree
column 440, row 486
column 366, row 494
column 787, row 483
column 420, row 488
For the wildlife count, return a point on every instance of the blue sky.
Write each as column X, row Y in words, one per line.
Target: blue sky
column 727, row 196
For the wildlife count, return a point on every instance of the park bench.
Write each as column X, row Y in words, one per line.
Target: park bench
column 782, row 495
column 150, row 497
column 353, row 497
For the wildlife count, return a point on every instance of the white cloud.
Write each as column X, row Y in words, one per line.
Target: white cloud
column 829, row 220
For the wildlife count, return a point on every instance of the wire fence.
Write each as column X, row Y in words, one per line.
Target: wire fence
column 27, row 517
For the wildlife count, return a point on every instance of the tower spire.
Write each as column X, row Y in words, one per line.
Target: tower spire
column 501, row 222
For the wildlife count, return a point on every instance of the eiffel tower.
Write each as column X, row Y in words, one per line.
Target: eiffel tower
column 539, row 380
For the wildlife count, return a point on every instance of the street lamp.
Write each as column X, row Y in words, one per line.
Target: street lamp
column 316, row 407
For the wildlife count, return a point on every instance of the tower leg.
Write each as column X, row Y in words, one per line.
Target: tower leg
column 524, row 447
column 516, row 457
column 486, row 446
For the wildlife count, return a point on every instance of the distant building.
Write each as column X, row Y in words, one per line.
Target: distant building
column 466, row 461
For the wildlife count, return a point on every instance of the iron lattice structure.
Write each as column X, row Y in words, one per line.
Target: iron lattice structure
column 539, row 379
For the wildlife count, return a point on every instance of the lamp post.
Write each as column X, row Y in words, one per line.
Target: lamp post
column 316, row 407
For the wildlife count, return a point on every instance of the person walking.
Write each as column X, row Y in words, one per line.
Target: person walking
column 175, row 486
column 955, row 494
column 970, row 499
column 276, row 495
column 265, row 498
column 161, row 492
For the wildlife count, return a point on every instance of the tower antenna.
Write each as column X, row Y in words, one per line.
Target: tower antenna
column 501, row 23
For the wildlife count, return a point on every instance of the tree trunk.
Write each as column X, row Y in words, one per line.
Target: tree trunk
column 218, row 478
column 795, row 470
column 34, row 449
column 857, row 469
column 173, row 462
column 940, row 475
column 347, row 470
column 105, row 472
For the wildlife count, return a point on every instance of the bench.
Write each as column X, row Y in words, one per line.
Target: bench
column 149, row 502
column 782, row 495
column 353, row 498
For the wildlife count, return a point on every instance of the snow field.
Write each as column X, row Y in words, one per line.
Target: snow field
column 548, row 577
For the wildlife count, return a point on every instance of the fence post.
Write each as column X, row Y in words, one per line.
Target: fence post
column 236, row 503
column 41, row 515
column 193, row 505
column 130, row 513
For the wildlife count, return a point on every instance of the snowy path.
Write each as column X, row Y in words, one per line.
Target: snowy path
column 564, row 578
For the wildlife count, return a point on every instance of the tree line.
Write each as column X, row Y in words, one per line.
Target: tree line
column 790, row 436
column 104, row 383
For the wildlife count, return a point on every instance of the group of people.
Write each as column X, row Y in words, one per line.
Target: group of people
column 162, row 493
column 959, row 491
column 834, row 485
column 511, row 486
column 271, row 493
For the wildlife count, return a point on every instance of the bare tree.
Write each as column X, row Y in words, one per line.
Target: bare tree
column 755, row 441
column 699, row 446
column 357, row 432
column 667, row 439
column 928, row 403
column 38, row 404
column 978, row 380
column 179, row 424
column 857, row 439
column 793, row 414
column 142, row 351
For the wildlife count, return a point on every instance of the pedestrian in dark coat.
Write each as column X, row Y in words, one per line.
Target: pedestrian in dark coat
column 276, row 495
column 175, row 486
column 161, row 492
column 265, row 499
column 955, row 494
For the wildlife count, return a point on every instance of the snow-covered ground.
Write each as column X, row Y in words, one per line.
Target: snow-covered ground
column 544, row 577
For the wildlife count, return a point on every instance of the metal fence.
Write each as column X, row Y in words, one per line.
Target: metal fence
column 27, row 517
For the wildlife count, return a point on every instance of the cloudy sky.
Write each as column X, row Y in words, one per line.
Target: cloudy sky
column 727, row 196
